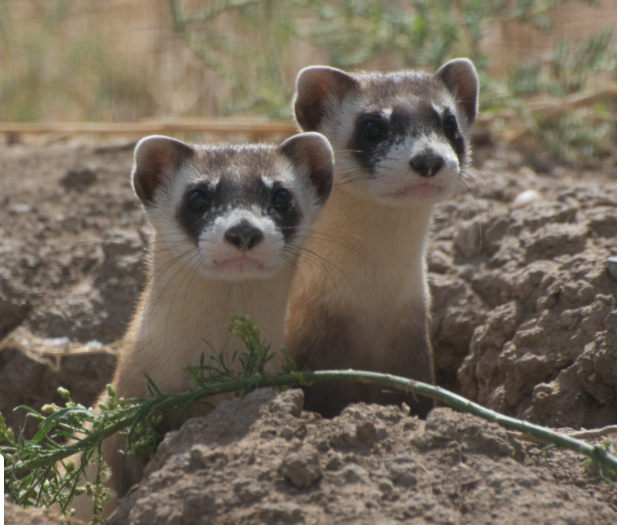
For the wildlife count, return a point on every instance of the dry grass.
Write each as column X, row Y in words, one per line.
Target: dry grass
column 50, row 351
column 130, row 60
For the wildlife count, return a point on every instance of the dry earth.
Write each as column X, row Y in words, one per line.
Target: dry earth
column 524, row 321
column 261, row 460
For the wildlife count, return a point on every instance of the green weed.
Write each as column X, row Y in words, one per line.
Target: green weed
column 43, row 471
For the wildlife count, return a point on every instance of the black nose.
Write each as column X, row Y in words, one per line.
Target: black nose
column 427, row 164
column 244, row 236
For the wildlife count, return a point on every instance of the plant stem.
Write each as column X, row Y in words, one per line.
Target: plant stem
column 167, row 401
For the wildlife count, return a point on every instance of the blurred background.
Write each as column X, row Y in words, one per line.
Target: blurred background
column 548, row 68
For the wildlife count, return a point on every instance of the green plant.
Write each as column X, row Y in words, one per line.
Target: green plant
column 44, row 471
column 587, row 135
column 420, row 34
column 252, row 61
column 46, row 76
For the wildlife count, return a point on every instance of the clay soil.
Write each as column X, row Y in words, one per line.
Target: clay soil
column 523, row 321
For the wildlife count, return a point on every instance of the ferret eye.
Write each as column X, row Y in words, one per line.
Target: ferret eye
column 282, row 200
column 450, row 127
column 197, row 201
column 372, row 131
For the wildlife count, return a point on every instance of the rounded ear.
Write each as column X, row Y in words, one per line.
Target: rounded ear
column 312, row 154
column 460, row 78
column 317, row 88
column 155, row 158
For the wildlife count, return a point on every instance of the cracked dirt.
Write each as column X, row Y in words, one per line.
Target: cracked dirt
column 524, row 322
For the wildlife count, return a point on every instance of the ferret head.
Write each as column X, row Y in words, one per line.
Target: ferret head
column 233, row 212
column 399, row 138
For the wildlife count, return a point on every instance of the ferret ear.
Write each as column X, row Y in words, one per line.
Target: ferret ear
column 156, row 158
column 319, row 90
column 460, row 78
column 311, row 153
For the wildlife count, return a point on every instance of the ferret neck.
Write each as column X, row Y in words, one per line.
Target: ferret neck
column 365, row 255
column 183, row 315
column 374, row 229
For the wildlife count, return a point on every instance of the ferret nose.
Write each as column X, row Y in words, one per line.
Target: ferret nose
column 427, row 164
column 244, row 236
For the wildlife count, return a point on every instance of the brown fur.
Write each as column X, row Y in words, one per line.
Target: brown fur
column 361, row 297
column 185, row 302
column 335, row 319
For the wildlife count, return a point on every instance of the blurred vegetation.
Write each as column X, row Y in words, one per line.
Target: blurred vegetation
column 38, row 80
column 588, row 136
column 251, row 45
column 418, row 34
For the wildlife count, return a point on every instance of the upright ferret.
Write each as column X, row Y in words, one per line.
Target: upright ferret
column 361, row 300
column 227, row 225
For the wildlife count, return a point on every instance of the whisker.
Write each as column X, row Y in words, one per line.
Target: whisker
column 291, row 261
column 162, row 271
column 314, row 236
column 171, row 304
column 310, row 259
column 311, row 256
column 198, row 263
column 158, row 275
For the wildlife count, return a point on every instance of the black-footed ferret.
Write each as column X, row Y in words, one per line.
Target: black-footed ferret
column 400, row 143
column 228, row 223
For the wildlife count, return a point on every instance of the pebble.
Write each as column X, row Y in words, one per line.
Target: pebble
column 301, row 467
column 20, row 208
column 611, row 267
column 79, row 178
column 526, row 197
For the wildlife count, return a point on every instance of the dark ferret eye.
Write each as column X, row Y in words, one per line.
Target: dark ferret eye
column 450, row 127
column 372, row 131
column 197, row 201
column 282, row 200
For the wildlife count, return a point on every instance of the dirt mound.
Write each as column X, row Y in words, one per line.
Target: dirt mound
column 524, row 321
column 262, row 460
column 525, row 309
column 71, row 264
column 71, row 254
column 16, row 515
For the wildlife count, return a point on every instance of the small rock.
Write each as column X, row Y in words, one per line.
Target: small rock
column 301, row 431
column 322, row 445
column 335, row 462
column 346, row 437
column 403, row 471
column 290, row 403
column 525, row 198
column 354, row 474
column 281, row 513
column 197, row 503
column 392, row 414
column 301, row 467
column 369, row 433
column 385, row 486
column 247, row 490
column 79, row 179
column 286, row 433
column 20, row 208
column 611, row 267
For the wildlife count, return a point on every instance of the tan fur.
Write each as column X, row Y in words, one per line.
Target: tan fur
column 186, row 305
column 361, row 302
column 177, row 311
column 361, row 298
